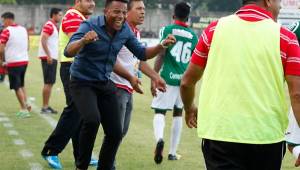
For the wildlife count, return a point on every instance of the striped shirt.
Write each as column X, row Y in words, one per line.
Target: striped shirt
column 48, row 27
column 71, row 22
column 4, row 36
column 289, row 46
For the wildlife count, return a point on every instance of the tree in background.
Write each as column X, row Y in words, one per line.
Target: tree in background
column 206, row 5
column 8, row 2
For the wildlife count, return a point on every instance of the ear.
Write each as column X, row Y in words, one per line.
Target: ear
column 105, row 11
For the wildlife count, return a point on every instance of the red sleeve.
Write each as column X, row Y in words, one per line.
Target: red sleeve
column 4, row 36
column 48, row 28
column 71, row 22
column 201, row 51
column 290, row 52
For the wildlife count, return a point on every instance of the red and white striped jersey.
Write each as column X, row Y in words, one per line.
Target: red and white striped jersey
column 51, row 29
column 15, row 38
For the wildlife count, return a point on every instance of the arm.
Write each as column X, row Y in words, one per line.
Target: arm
column 134, row 81
column 2, row 48
column 159, row 61
column 75, row 46
column 156, row 80
column 187, row 91
column 151, row 52
column 294, row 91
column 143, row 53
column 44, row 40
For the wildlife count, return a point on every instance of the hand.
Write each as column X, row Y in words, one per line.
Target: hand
column 191, row 117
column 159, row 84
column 135, row 82
column 89, row 37
column 170, row 40
column 49, row 60
column 297, row 163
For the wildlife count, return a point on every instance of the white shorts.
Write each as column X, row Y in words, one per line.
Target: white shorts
column 167, row 100
column 292, row 134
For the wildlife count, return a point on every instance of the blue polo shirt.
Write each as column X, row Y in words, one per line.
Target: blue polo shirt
column 95, row 61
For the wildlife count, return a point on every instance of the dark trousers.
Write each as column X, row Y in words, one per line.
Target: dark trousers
column 97, row 103
column 65, row 79
column 69, row 123
column 237, row 156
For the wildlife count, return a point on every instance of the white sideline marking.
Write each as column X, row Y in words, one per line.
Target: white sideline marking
column 2, row 114
column 13, row 133
column 4, row 119
column 8, row 125
column 19, row 142
column 26, row 153
column 35, row 166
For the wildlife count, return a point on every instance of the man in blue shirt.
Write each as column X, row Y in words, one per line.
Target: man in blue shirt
column 96, row 45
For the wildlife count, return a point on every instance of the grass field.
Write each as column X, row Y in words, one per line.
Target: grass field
column 21, row 140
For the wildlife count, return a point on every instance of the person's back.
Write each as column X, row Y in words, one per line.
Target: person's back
column 244, row 77
column 245, row 60
column 177, row 58
column 16, row 49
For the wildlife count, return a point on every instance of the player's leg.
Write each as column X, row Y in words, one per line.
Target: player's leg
column 161, row 103
column 176, row 124
column 49, row 73
column 175, row 133
column 15, row 81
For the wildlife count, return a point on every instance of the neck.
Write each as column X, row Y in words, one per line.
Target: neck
column 78, row 9
column 132, row 24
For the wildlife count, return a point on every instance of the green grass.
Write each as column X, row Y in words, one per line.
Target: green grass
column 135, row 153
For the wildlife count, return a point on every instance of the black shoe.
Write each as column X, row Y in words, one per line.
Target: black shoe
column 158, row 154
column 48, row 110
column 173, row 157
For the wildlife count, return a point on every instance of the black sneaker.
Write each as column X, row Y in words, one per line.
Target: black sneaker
column 48, row 110
column 158, row 154
column 173, row 157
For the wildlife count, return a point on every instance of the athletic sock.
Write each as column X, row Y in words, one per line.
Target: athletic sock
column 175, row 134
column 158, row 126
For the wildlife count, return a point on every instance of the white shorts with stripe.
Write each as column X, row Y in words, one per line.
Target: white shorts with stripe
column 293, row 131
column 167, row 100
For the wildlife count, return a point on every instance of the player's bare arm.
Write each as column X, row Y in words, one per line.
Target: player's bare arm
column 2, row 48
column 44, row 40
column 294, row 91
column 187, row 90
column 157, row 66
column 134, row 81
column 158, row 82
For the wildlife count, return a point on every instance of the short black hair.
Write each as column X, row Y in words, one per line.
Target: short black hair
column 248, row 1
column 108, row 2
column 182, row 10
column 131, row 2
column 54, row 11
column 8, row 15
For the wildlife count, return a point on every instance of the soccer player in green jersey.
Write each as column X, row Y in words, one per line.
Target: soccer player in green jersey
column 171, row 64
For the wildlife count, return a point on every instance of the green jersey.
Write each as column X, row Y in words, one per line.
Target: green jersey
column 177, row 56
column 295, row 28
